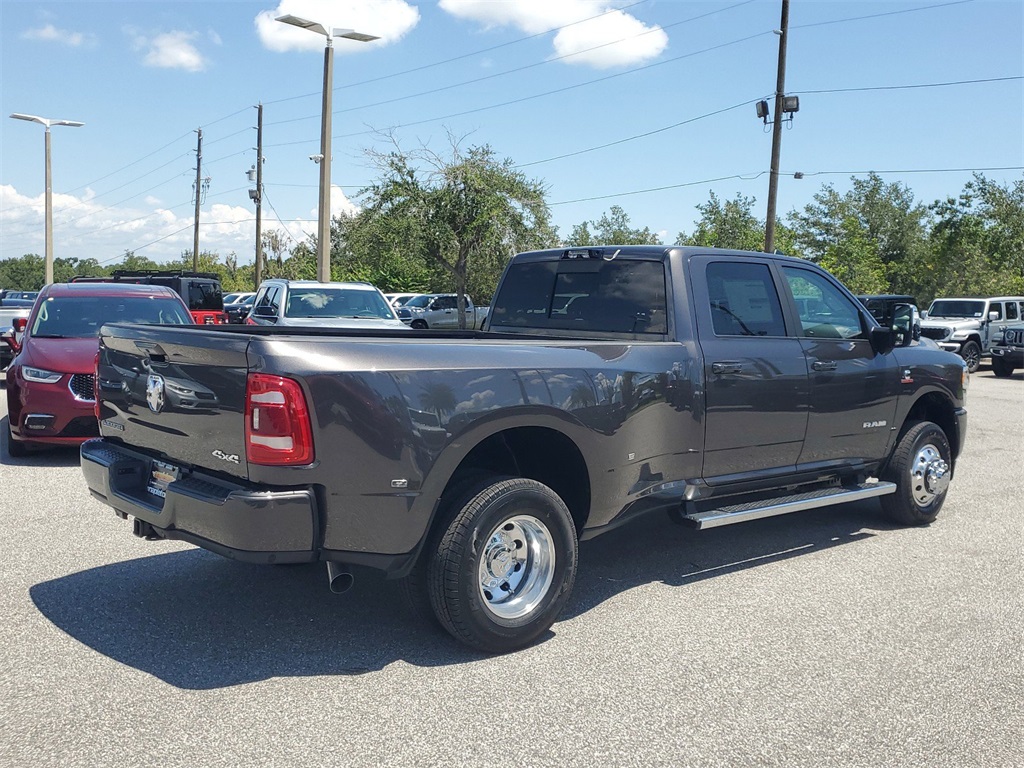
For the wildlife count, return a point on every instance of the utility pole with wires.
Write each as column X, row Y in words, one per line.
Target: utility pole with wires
column 198, row 190
column 780, row 87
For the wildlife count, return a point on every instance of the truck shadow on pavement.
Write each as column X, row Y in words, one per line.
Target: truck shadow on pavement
column 198, row 621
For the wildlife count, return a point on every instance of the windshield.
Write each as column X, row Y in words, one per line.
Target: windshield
column 337, row 302
column 958, row 308
column 80, row 317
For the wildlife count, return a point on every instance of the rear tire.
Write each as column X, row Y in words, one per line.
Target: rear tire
column 419, row 325
column 971, row 353
column 921, row 466
column 505, row 567
column 1001, row 368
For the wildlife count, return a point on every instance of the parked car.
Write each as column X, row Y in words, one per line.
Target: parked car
column 440, row 310
column 29, row 296
column 1008, row 351
column 397, row 300
column 323, row 305
column 200, row 290
column 50, row 384
column 232, row 298
column 239, row 310
column 970, row 326
column 13, row 314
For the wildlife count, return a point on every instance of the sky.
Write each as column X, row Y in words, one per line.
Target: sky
column 649, row 106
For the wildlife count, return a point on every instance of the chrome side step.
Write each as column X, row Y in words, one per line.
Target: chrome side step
column 781, row 505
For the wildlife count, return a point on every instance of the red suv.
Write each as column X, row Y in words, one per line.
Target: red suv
column 200, row 290
column 50, row 397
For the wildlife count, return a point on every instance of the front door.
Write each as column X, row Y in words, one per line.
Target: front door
column 853, row 387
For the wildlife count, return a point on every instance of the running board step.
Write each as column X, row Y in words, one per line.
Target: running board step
column 781, row 505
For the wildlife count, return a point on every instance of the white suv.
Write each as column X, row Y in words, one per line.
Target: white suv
column 970, row 326
column 322, row 305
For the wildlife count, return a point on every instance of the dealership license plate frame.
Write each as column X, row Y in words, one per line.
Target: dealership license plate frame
column 161, row 475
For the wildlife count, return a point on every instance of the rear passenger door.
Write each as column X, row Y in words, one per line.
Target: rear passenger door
column 755, row 372
column 853, row 387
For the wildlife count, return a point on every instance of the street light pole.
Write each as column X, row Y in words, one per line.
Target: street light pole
column 48, row 193
column 323, row 240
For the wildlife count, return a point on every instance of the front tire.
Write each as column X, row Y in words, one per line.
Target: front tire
column 505, row 566
column 15, row 449
column 971, row 353
column 921, row 467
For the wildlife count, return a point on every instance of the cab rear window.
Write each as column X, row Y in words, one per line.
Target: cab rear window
column 585, row 295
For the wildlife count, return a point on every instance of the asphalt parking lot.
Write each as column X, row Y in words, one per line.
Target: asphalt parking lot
column 825, row 638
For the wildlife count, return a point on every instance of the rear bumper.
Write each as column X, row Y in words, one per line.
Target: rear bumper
column 233, row 519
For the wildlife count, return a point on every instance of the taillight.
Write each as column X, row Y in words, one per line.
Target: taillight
column 277, row 427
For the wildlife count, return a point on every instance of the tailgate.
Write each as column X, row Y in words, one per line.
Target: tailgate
column 176, row 390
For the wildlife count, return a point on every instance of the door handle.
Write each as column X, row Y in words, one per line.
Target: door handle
column 728, row 367
column 824, row 365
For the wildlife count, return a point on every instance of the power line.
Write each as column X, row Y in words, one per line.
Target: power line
column 462, row 56
column 879, row 15
column 748, row 177
column 915, row 85
column 516, row 69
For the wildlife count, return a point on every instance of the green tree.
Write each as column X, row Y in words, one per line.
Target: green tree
column 460, row 212
column 612, row 228
column 977, row 242
column 733, row 225
column 888, row 227
column 24, row 273
column 137, row 263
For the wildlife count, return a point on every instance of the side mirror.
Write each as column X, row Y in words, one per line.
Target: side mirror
column 924, row 314
column 906, row 324
column 882, row 339
column 992, row 316
column 264, row 311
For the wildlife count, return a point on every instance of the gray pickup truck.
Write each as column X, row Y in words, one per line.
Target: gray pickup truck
column 440, row 310
column 610, row 382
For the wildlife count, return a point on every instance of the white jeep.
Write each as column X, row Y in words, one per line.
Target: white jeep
column 970, row 326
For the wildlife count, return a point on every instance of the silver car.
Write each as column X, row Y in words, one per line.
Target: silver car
column 322, row 305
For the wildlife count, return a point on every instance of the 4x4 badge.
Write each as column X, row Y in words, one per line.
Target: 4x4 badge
column 155, row 392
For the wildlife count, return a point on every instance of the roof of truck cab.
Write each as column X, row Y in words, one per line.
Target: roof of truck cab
column 649, row 251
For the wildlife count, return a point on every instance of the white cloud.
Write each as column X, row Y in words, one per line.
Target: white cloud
column 593, row 32
column 51, row 34
column 340, row 203
column 389, row 20
column 171, row 50
column 87, row 227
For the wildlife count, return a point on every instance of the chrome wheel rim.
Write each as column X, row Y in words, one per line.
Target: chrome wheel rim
column 929, row 475
column 517, row 567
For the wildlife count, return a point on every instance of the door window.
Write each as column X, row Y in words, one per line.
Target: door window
column 824, row 311
column 744, row 301
column 997, row 307
column 1011, row 310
